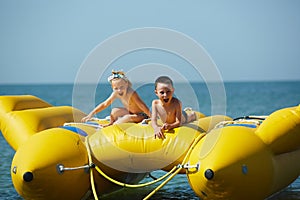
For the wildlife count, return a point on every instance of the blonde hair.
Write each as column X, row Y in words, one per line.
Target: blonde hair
column 118, row 75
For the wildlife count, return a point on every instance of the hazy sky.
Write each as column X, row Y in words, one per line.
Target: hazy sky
column 48, row 41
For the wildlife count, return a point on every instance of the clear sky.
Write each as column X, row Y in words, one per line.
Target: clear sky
column 47, row 41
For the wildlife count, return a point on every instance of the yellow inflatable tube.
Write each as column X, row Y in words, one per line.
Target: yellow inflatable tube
column 281, row 131
column 34, row 168
column 132, row 147
column 248, row 158
column 23, row 116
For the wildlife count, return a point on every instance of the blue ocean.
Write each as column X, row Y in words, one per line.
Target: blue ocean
column 239, row 99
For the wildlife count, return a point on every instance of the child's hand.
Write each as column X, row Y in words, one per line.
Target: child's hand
column 166, row 126
column 86, row 118
column 159, row 133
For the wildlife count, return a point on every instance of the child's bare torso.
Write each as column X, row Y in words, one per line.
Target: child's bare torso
column 129, row 102
column 167, row 113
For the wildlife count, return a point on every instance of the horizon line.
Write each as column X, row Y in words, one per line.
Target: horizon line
column 143, row 82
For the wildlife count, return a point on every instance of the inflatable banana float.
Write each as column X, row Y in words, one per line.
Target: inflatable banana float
column 57, row 157
column 248, row 158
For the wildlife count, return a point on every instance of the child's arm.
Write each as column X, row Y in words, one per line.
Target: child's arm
column 100, row 107
column 158, row 132
column 140, row 103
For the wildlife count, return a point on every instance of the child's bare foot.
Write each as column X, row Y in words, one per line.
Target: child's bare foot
column 191, row 115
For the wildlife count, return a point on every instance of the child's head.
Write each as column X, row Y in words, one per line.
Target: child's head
column 164, row 89
column 163, row 79
column 119, row 82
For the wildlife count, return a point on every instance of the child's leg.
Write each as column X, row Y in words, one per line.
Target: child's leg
column 188, row 116
column 117, row 113
column 191, row 116
column 130, row 118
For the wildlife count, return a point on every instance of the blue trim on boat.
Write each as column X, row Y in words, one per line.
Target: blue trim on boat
column 246, row 125
column 76, row 130
column 92, row 123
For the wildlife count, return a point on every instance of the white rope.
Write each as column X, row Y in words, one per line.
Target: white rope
column 61, row 168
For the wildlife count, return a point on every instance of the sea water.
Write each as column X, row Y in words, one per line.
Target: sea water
column 240, row 99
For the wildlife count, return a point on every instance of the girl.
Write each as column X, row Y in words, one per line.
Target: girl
column 135, row 110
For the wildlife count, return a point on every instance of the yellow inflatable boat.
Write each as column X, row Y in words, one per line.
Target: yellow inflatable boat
column 57, row 157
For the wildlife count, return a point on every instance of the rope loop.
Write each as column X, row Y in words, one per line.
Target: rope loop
column 174, row 171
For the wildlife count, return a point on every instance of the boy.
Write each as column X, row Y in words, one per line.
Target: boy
column 167, row 107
